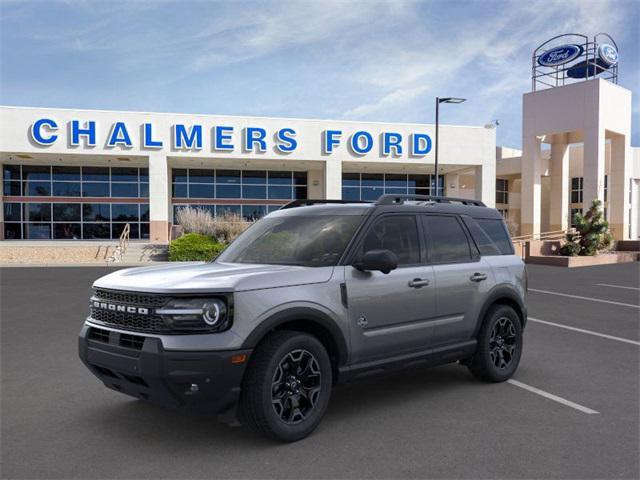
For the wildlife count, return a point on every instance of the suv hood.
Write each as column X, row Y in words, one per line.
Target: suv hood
column 196, row 277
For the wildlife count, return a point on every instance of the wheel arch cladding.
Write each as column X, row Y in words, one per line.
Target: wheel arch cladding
column 307, row 320
column 503, row 296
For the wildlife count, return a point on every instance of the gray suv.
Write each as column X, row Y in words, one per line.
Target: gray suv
column 317, row 293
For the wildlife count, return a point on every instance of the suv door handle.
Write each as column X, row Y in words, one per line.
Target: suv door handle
column 418, row 283
column 478, row 277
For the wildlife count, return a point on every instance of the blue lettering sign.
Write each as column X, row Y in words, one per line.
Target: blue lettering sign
column 147, row 137
column 186, row 139
column 286, row 140
column 37, row 134
column 420, row 144
column 119, row 136
column 89, row 131
column 391, row 140
column 255, row 136
column 222, row 136
column 330, row 140
column 359, row 147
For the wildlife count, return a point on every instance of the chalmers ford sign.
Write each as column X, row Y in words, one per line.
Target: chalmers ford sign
column 222, row 138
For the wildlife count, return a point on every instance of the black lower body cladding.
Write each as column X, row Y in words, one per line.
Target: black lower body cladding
column 207, row 381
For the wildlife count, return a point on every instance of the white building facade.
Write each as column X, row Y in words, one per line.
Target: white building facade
column 85, row 174
column 577, row 148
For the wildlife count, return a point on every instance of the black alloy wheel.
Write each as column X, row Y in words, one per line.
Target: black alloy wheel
column 296, row 386
column 502, row 343
column 499, row 346
column 287, row 386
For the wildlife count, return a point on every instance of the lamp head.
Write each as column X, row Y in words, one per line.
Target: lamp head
column 451, row 100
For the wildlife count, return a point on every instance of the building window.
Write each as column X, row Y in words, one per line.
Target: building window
column 576, row 190
column 606, row 187
column 370, row 186
column 63, row 212
column 502, row 190
column 573, row 212
column 63, row 181
column 74, row 221
column 205, row 187
column 504, row 212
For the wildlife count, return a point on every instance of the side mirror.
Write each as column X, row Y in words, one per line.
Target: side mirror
column 382, row 260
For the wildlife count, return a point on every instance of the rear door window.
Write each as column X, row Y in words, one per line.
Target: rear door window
column 447, row 240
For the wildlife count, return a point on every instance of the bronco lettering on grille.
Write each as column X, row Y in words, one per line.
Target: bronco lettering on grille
column 120, row 308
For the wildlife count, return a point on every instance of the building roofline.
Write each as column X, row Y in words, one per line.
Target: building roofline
column 18, row 107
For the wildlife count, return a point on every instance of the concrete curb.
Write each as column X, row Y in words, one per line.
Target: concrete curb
column 94, row 265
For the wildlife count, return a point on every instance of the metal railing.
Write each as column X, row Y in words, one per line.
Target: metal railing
column 552, row 235
column 123, row 243
column 522, row 240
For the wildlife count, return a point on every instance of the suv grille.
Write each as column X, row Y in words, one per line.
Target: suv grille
column 127, row 320
column 131, row 298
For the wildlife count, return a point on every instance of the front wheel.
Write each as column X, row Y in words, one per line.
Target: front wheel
column 499, row 345
column 287, row 387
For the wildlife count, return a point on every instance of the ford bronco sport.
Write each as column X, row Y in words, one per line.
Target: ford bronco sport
column 316, row 293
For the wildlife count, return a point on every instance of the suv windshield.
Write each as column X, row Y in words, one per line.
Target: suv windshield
column 309, row 241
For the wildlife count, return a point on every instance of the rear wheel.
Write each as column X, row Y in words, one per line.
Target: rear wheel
column 499, row 345
column 287, row 386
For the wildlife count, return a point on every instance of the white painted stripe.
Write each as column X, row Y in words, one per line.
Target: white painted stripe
column 585, row 298
column 588, row 332
column 553, row 397
column 616, row 286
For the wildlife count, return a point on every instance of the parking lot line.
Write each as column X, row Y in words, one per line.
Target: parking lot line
column 553, row 397
column 581, row 330
column 585, row 298
column 616, row 286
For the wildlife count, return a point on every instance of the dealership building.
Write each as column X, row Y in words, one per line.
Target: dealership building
column 86, row 174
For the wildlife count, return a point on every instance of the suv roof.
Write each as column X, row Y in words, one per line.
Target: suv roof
column 392, row 203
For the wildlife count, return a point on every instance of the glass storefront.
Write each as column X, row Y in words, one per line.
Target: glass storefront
column 63, row 212
column 216, row 190
column 369, row 186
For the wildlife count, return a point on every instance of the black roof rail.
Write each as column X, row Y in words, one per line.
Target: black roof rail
column 399, row 199
column 309, row 202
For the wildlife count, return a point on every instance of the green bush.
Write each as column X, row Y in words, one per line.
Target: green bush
column 591, row 235
column 194, row 247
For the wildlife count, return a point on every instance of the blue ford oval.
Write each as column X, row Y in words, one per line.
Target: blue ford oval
column 560, row 55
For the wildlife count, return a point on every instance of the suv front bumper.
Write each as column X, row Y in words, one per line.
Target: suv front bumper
column 137, row 365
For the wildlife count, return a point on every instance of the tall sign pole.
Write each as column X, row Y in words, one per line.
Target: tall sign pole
column 437, row 142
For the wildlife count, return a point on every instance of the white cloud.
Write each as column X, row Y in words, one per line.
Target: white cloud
column 361, row 60
column 283, row 26
column 487, row 57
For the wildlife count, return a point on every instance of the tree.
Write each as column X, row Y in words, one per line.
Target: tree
column 591, row 235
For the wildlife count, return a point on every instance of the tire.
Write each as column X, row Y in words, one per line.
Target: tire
column 287, row 386
column 499, row 345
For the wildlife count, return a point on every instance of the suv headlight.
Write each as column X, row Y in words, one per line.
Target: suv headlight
column 196, row 314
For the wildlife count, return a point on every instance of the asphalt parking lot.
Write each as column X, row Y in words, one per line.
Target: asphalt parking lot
column 572, row 412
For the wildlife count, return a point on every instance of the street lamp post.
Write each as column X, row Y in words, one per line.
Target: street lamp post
column 438, row 102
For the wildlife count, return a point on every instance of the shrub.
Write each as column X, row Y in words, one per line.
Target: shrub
column 591, row 235
column 194, row 220
column 228, row 226
column 194, row 247
column 223, row 228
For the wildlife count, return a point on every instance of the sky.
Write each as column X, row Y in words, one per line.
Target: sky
column 344, row 60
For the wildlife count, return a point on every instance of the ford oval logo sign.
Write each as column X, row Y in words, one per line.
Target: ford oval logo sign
column 608, row 54
column 560, row 55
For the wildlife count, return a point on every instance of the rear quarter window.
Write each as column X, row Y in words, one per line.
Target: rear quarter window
column 491, row 236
